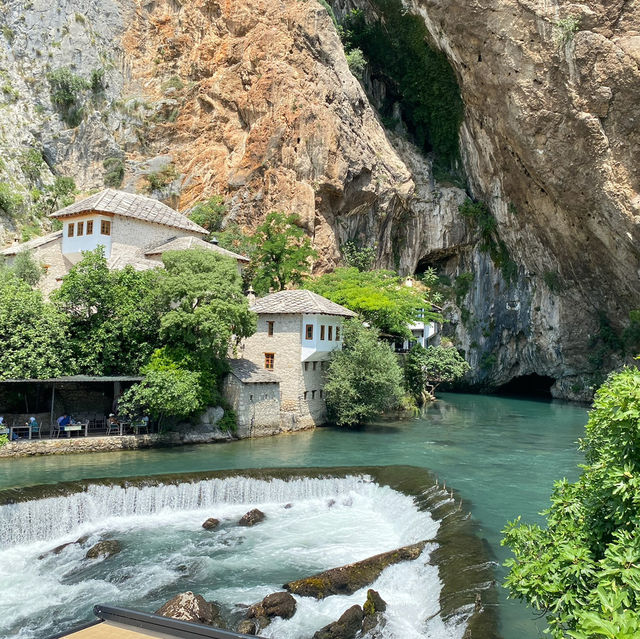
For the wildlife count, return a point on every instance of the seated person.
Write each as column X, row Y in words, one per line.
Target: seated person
column 33, row 423
column 112, row 421
column 63, row 420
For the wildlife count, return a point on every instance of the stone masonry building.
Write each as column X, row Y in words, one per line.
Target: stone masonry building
column 133, row 230
column 296, row 332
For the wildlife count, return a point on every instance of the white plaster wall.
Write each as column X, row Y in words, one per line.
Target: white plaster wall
column 72, row 247
column 317, row 348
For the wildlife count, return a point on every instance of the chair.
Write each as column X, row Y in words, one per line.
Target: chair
column 36, row 430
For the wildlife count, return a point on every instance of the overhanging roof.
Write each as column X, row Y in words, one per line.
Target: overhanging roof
column 75, row 379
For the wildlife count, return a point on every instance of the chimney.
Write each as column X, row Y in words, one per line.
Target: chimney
column 251, row 295
column 213, row 240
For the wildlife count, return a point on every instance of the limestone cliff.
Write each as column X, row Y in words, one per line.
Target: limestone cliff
column 253, row 100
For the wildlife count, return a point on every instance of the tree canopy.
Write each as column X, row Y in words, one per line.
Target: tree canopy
column 426, row 368
column 380, row 297
column 33, row 334
column 363, row 379
column 282, row 253
column 583, row 569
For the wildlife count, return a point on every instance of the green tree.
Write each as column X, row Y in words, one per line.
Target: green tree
column 204, row 305
column 583, row 569
column 114, row 316
column 209, row 214
column 57, row 195
column 380, row 297
column 361, row 257
column 282, row 253
column 26, row 268
column 33, row 334
column 167, row 394
column 363, row 379
column 426, row 368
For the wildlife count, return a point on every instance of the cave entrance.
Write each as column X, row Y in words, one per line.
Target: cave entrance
column 531, row 386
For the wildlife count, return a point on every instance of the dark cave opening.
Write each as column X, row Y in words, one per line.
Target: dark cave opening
column 533, row 386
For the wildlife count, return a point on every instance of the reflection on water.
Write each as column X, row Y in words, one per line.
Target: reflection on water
column 502, row 454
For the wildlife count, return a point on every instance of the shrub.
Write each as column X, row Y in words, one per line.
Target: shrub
column 364, row 379
column 356, row 62
column 96, row 81
column 114, row 171
column 66, row 87
column 566, row 28
column 553, row 281
column 461, row 286
column 31, row 162
column 362, row 258
column 209, row 214
column 162, row 178
column 10, row 200
column 27, row 269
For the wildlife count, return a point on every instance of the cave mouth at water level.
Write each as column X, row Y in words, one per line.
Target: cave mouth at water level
column 535, row 386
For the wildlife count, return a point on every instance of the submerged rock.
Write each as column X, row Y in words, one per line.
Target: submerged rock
column 248, row 627
column 347, row 579
column 190, row 607
column 105, row 549
column 278, row 604
column 211, row 523
column 58, row 549
column 252, row 518
column 347, row 627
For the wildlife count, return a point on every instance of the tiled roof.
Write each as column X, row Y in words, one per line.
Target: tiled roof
column 249, row 373
column 31, row 244
column 182, row 243
column 298, row 302
column 131, row 205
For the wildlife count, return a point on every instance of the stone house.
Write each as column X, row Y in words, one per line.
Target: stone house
column 133, row 229
column 281, row 367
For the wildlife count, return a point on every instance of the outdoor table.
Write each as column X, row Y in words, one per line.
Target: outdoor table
column 72, row 427
column 14, row 428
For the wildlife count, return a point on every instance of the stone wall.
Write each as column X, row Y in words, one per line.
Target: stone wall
column 256, row 405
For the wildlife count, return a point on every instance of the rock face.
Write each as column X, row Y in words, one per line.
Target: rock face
column 190, row 607
column 105, row 549
column 347, row 579
column 278, row 604
column 347, row 627
column 251, row 518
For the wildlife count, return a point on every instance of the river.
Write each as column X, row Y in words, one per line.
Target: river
column 501, row 454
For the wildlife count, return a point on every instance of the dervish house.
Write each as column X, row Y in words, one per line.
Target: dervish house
column 277, row 383
column 133, row 229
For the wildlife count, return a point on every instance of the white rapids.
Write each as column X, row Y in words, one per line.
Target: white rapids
column 328, row 523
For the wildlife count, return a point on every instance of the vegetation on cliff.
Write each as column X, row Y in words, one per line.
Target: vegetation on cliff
column 582, row 570
column 418, row 76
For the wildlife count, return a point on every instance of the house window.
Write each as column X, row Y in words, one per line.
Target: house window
column 105, row 227
column 330, row 336
column 314, row 365
column 270, row 329
column 250, row 398
column 306, row 366
column 305, row 394
column 322, row 332
column 89, row 227
column 313, row 394
column 269, row 361
column 320, row 393
column 80, row 228
column 308, row 331
column 70, row 229
column 337, row 333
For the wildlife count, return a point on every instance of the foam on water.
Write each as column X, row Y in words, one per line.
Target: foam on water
column 165, row 551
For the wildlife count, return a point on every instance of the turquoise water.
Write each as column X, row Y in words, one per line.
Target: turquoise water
column 501, row 454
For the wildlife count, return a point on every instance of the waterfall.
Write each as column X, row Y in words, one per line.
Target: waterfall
column 54, row 517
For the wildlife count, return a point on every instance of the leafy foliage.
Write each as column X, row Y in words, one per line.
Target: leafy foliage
column 114, row 171
column 31, row 163
column 57, row 195
column 379, row 297
column 209, row 214
column 364, row 379
column 26, row 268
column 66, row 90
column 361, row 257
column 33, row 333
column 583, row 569
column 419, row 77
column 204, row 306
column 114, row 316
column 357, row 62
column 10, row 200
column 282, row 253
column 426, row 368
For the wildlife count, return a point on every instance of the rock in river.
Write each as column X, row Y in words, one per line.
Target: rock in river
column 190, row 607
column 347, row 627
column 211, row 523
column 252, row 518
column 347, row 579
column 105, row 549
column 278, row 604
